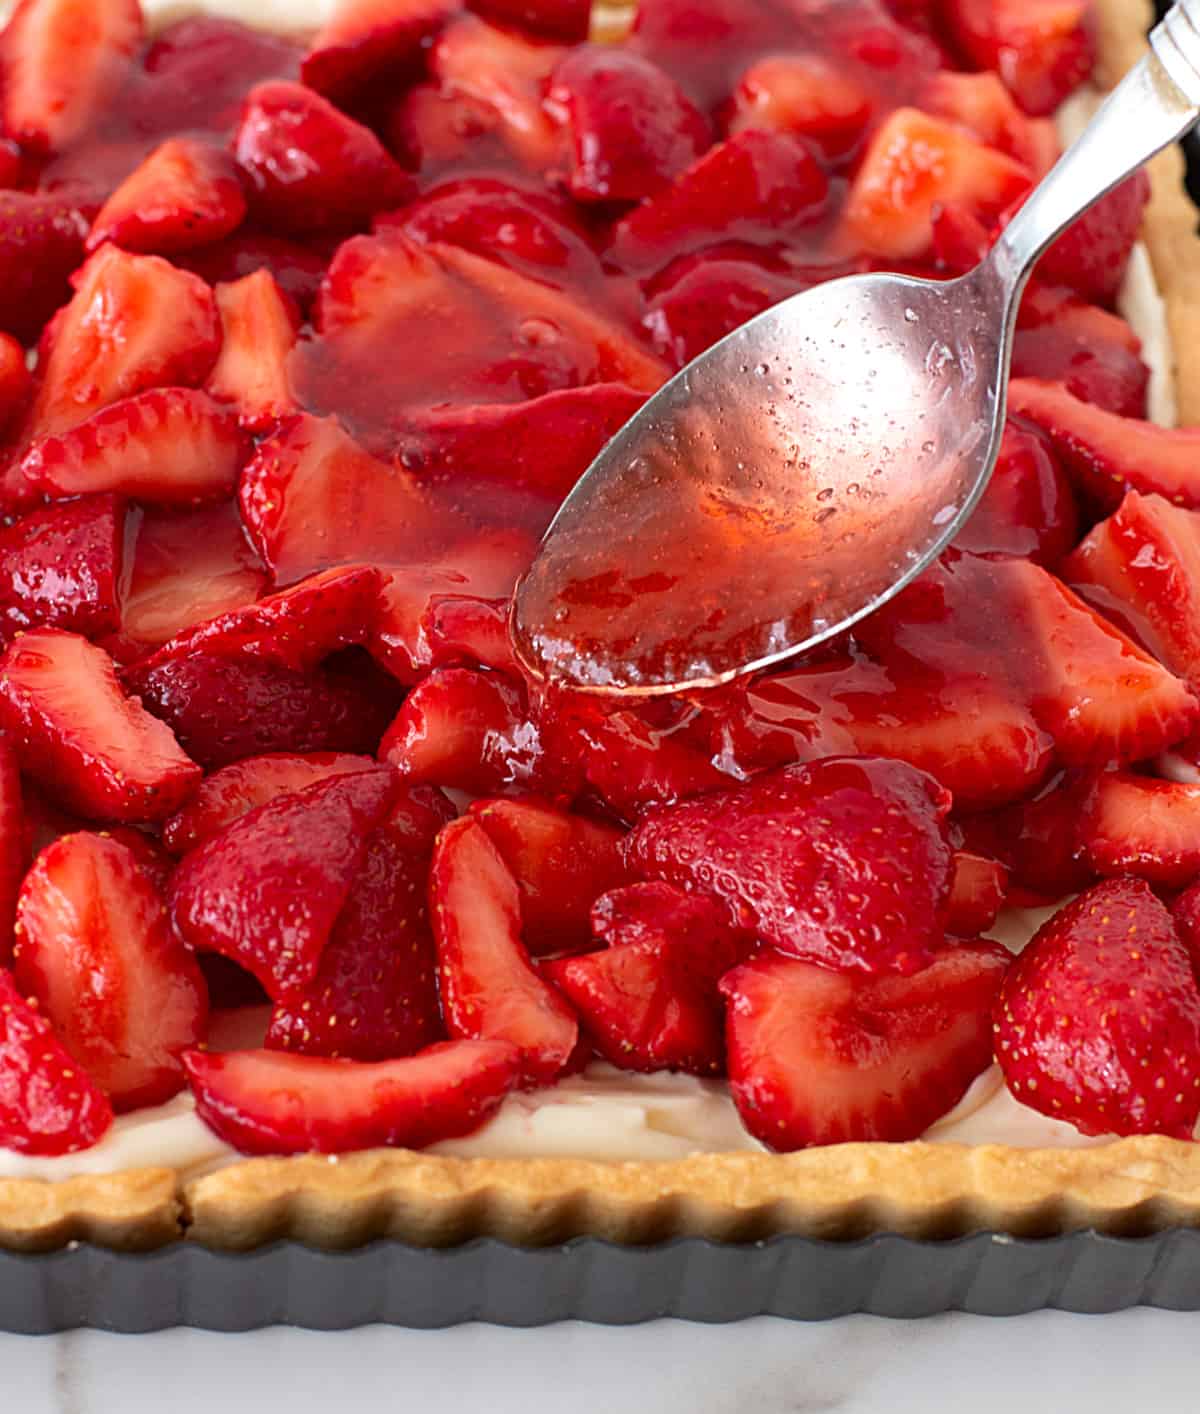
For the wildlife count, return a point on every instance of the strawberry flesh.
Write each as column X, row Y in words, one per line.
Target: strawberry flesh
column 259, row 324
column 1098, row 1020
column 844, row 861
column 1136, row 825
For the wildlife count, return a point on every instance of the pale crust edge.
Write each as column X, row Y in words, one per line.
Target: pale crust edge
column 846, row 1191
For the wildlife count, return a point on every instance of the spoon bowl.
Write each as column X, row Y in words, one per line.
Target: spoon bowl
column 808, row 466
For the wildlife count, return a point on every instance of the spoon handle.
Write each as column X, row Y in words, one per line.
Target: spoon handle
column 1155, row 103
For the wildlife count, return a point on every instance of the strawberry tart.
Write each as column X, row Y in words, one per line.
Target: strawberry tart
column 319, row 918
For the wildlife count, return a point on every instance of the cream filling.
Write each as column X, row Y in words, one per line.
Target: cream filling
column 603, row 1114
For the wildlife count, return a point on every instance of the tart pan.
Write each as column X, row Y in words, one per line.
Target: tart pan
column 589, row 1279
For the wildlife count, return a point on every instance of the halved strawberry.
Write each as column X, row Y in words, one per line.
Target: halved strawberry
column 567, row 20
column 95, row 948
column 135, row 322
column 99, row 752
column 1091, row 255
column 562, row 863
column 466, row 631
column 1098, row 1020
column 633, row 130
column 506, row 74
column 805, row 94
column 59, row 568
column 1107, row 454
column 1141, row 826
column 549, row 442
column 264, row 1102
column 61, row 62
column 225, row 709
column 309, row 167
column 183, row 568
column 978, row 888
column 649, row 1000
column 757, row 186
column 185, row 194
column 1028, row 508
column 311, row 497
column 365, row 40
column 844, row 861
column 464, row 730
column 374, row 995
column 14, row 856
column 267, row 890
column 228, row 794
column 981, row 103
column 259, row 324
column 1142, row 567
column 489, row 989
column 41, row 243
column 293, row 629
column 48, row 1106
column 916, row 162
column 169, row 446
column 821, row 1058
column 1042, row 49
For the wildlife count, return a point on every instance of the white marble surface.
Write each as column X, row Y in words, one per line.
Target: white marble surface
column 1138, row 1362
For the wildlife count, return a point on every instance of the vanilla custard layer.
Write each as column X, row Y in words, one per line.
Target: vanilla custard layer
column 604, row 1113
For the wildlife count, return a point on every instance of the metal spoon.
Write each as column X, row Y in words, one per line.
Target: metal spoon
column 803, row 470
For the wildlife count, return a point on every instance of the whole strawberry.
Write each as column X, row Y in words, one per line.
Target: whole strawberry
column 1098, row 1020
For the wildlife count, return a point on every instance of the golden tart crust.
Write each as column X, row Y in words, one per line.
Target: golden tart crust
column 1131, row 1186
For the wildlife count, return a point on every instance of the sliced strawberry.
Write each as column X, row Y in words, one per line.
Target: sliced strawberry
column 437, row 133
column 549, row 442
column 62, row 61
column 267, row 890
column 981, row 103
column 1107, row 454
column 1091, row 255
column 464, row 730
column 1105, row 374
column 465, row 631
column 263, row 1102
column 311, row 497
column 41, row 243
column 649, row 1001
column 259, row 324
column 99, row 752
column 807, row 95
column 567, row 20
column 506, row 75
column 1141, row 566
column 16, row 385
column 821, row 1058
column 169, row 446
column 297, row 270
column 1098, row 1020
column 562, row 863
column 225, row 709
column 152, row 859
column 365, row 40
column 235, row 790
column 1060, row 307
column 185, row 194
column 633, row 130
column 375, row 996
column 914, row 163
column 13, row 853
column 844, row 861
column 758, row 186
column 489, row 989
column 95, row 948
column 701, row 298
column 309, row 167
column 59, row 568
column 978, row 888
column 294, row 629
column 135, row 322
column 183, row 568
column 1042, row 49
column 1036, row 839
column 1141, row 826
column 1028, row 508
column 48, row 1106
